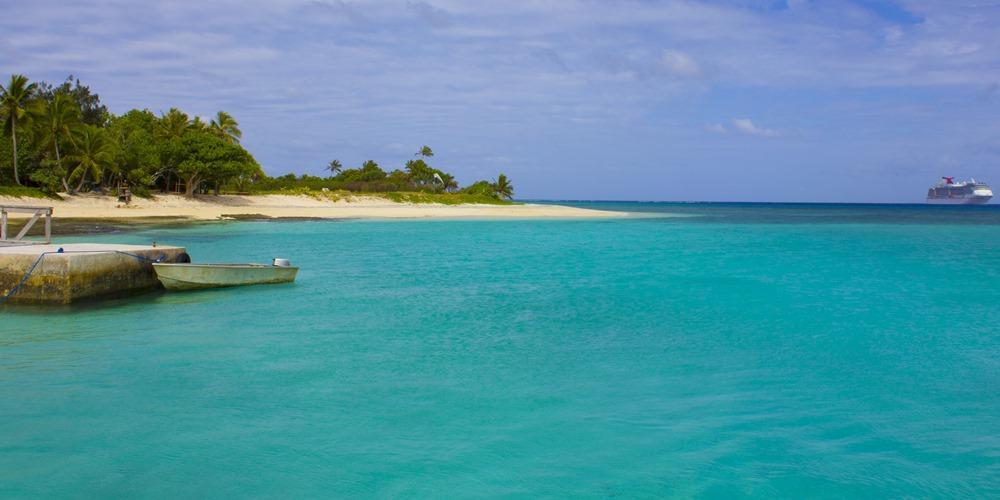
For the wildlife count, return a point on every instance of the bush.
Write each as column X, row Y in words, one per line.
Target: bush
column 481, row 188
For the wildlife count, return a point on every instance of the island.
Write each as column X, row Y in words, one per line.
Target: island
column 65, row 147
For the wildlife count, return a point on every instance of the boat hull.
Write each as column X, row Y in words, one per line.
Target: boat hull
column 199, row 276
column 973, row 200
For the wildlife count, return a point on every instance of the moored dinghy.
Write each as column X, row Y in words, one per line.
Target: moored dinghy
column 196, row 276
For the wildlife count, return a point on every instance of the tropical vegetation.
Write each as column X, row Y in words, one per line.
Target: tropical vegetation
column 61, row 138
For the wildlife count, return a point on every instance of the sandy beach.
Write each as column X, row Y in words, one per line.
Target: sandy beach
column 285, row 206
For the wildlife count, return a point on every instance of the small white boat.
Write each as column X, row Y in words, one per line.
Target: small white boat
column 196, row 276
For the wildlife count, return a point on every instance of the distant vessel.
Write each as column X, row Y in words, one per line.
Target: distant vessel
column 948, row 192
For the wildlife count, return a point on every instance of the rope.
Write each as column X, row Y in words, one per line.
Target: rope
column 24, row 279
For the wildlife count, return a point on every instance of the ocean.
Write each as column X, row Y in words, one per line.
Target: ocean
column 698, row 350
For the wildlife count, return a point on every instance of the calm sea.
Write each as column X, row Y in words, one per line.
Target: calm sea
column 707, row 350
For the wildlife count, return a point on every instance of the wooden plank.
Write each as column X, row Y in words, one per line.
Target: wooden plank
column 24, row 230
column 26, row 210
column 36, row 212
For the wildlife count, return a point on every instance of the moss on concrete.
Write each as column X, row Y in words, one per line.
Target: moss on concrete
column 70, row 277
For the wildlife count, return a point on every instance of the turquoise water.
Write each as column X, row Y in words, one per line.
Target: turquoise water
column 737, row 350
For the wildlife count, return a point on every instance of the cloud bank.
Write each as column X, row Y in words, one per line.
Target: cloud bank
column 315, row 79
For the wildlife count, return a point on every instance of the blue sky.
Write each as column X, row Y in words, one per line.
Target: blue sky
column 764, row 100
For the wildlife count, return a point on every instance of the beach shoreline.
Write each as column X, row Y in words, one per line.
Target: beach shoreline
column 177, row 208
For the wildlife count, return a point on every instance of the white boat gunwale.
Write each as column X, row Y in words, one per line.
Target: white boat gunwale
column 180, row 264
column 191, row 276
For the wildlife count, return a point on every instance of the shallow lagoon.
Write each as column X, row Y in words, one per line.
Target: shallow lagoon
column 754, row 350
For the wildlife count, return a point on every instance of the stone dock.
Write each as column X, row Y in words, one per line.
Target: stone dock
column 82, row 271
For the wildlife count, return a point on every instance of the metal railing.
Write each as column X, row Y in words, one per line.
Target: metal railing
column 37, row 212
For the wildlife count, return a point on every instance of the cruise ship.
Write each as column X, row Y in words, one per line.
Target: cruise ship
column 949, row 192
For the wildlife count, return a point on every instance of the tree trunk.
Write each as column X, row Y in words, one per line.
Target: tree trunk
column 192, row 184
column 217, row 188
column 80, row 186
column 13, row 135
column 166, row 184
column 59, row 164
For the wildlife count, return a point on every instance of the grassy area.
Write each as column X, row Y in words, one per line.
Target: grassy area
column 26, row 192
column 395, row 196
column 333, row 195
column 443, row 198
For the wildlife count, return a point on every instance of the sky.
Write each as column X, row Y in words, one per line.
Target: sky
column 716, row 100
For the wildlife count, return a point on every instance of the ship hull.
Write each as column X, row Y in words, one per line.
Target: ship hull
column 975, row 200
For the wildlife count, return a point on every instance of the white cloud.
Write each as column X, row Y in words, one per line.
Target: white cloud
column 679, row 64
column 745, row 126
column 353, row 76
column 717, row 128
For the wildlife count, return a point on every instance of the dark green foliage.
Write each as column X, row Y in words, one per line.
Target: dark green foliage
column 55, row 122
column 14, row 105
column 224, row 126
column 94, row 153
column 92, row 112
column 480, row 188
column 201, row 156
column 368, row 173
column 444, row 198
column 423, row 177
column 49, row 177
column 398, row 178
column 61, row 138
column 75, row 144
column 138, row 154
column 335, row 167
column 503, row 188
column 174, row 123
column 419, row 177
column 26, row 158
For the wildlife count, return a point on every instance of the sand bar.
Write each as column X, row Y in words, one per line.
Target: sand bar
column 287, row 206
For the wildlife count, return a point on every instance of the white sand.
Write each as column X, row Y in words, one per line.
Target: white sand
column 277, row 206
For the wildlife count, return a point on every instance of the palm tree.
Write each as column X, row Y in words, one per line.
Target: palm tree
column 198, row 124
column 92, row 155
column 173, row 123
column 57, row 120
column 334, row 167
column 226, row 127
column 448, row 182
column 13, row 101
column 503, row 187
column 425, row 151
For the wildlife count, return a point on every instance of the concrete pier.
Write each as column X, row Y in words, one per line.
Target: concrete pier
column 82, row 271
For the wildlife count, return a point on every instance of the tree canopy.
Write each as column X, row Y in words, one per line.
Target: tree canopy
column 14, row 98
column 63, row 138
